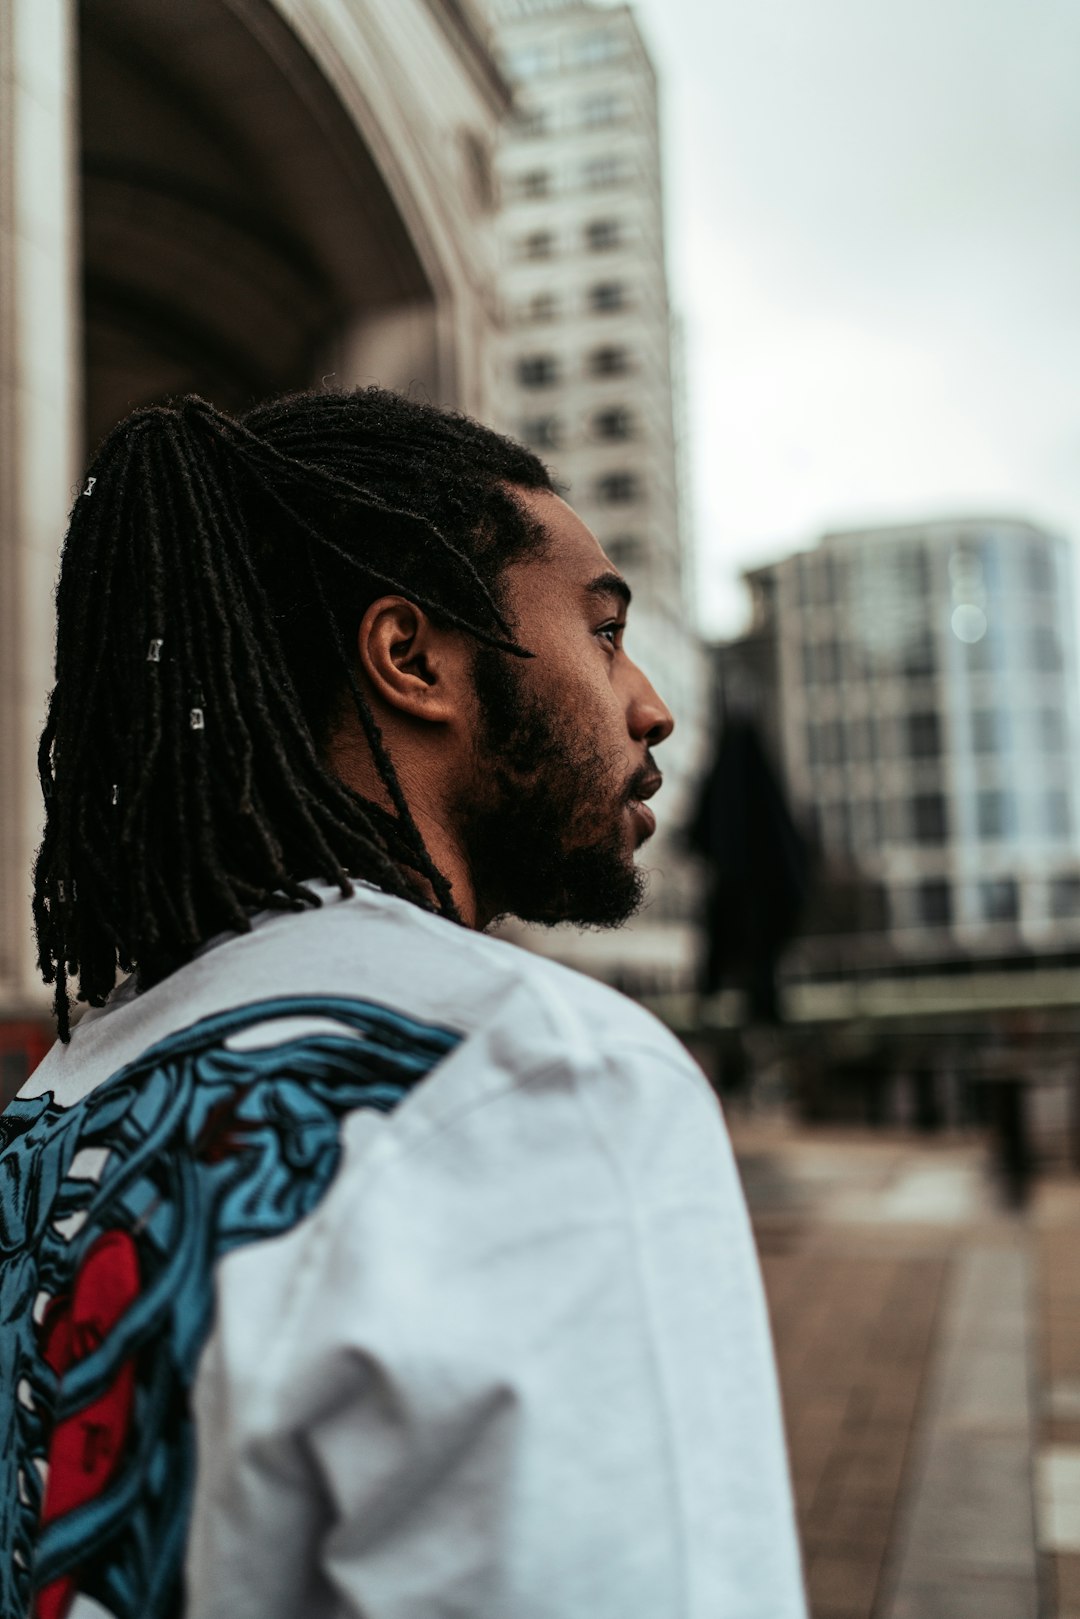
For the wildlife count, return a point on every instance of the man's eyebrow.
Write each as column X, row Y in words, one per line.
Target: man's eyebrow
column 610, row 584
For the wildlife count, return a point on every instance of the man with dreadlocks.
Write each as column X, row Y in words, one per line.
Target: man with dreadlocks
column 355, row 1262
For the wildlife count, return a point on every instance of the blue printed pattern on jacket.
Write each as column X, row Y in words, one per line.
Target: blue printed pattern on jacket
column 106, row 1276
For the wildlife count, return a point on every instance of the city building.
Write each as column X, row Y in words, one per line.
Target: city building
column 234, row 197
column 586, row 378
column 921, row 686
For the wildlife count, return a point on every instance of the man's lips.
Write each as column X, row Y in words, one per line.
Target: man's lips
column 644, row 816
column 643, row 789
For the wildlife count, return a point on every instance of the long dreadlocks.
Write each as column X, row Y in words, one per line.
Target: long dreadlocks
column 213, row 578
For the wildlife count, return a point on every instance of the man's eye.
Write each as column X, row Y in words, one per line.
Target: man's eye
column 611, row 633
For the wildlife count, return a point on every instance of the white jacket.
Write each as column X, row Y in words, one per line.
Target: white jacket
column 416, row 1283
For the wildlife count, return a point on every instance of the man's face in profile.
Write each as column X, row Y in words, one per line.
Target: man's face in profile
column 552, row 810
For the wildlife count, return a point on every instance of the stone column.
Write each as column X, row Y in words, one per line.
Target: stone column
column 40, row 414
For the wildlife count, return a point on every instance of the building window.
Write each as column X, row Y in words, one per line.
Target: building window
column 600, row 172
column 836, row 826
column 607, row 296
column 913, row 573
column 988, row 730
column 824, row 590
column 542, row 306
column 868, row 824
column 542, row 432
column 995, row 814
column 923, row 736
column 999, row 899
column 602, row 234
column 983, row 651
column 617, row 487
column 531, row 61
column 1051, row 729
column 538, row 370
column 933, row 901
column 539, row 244
column 1045, row 649
column 831, row 742
column 600, row 112
column 534, row 183
column 614, row 424
column 625, row 550
column 1065, row 896
column 1058, row 816
column 828, row 661
column 598, row 46
column 531, row 121
column 1040, row 569
column 919, row 658
column 929, row 819
column 609, row 362
column 863, row 733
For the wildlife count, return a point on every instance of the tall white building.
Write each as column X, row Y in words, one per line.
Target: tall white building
column 586, row 377
column 928, row 708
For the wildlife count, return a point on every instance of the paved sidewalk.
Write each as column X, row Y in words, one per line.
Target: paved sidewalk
column 903, row 1307
column 1057, row 1234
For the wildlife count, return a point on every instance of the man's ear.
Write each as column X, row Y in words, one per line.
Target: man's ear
column 411, row 664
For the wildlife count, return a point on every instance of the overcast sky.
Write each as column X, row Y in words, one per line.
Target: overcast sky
column 875, row 247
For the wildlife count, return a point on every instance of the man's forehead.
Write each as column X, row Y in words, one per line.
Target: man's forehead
column 573, row 550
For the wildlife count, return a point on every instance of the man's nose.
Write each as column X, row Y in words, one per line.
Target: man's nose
column 650, row 720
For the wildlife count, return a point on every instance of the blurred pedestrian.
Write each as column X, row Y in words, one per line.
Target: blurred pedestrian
column 758, row 869
column 356, row 1262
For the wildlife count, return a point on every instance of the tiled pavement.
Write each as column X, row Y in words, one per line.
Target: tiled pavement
column 1057, row 1238
column 852, row 1334
column 914, row 1333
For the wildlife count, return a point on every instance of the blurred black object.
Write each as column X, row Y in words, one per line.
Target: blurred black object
column 759, row 868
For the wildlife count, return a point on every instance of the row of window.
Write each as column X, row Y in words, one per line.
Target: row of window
column 932, row 902
column 601, row 111
column 597, row 174
column 830, row 661
column 612, row 425
column 545, row 370
column 919, row 735
column 597, row 236
column 596, row 47
column 823, row 578
column 1042, row 650
column 924, row 819
column 602, row 298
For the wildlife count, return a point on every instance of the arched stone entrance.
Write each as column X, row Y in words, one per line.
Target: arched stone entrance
column 235, row 225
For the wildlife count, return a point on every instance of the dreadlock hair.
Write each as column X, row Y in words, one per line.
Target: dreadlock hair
column 213, row 579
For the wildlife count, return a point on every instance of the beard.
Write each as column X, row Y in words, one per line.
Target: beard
column 544, row 825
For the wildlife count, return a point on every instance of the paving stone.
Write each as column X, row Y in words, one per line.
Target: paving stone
column 843, row 1585
column 1066, row 1582
column 970, row 1598
column 862, row 1344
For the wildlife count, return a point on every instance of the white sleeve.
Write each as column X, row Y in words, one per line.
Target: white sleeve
column 528, row 1375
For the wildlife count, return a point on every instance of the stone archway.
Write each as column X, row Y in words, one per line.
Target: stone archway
column 235, row 225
